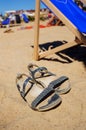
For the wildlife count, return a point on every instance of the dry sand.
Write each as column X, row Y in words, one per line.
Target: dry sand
column 16, row 52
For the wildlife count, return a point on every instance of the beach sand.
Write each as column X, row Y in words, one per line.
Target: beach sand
column 16, row 52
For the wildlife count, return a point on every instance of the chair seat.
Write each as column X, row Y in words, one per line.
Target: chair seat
column 72, row 12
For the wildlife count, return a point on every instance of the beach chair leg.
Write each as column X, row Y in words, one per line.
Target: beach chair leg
column 36, row 35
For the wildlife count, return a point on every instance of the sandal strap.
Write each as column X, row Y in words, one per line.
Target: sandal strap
column 42, row 96
column 48, row 91
column 22, row 89
column 53, row 102
column 42, row 70
column 57, row 84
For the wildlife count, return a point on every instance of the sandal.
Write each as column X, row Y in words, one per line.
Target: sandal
column 40, row 98
column 37, row 72
column 39, row 95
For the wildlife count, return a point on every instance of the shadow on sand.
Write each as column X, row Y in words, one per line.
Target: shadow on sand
column 67, row 56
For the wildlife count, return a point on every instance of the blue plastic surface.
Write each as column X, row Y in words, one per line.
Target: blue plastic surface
column 25, row 18
column 6, row 21
column 70, row 10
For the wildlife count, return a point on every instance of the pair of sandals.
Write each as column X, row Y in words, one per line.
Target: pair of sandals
column 42, row 95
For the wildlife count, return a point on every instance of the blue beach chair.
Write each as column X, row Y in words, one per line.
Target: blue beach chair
column 6, row 21
column 72, row 16
column 25, row 18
